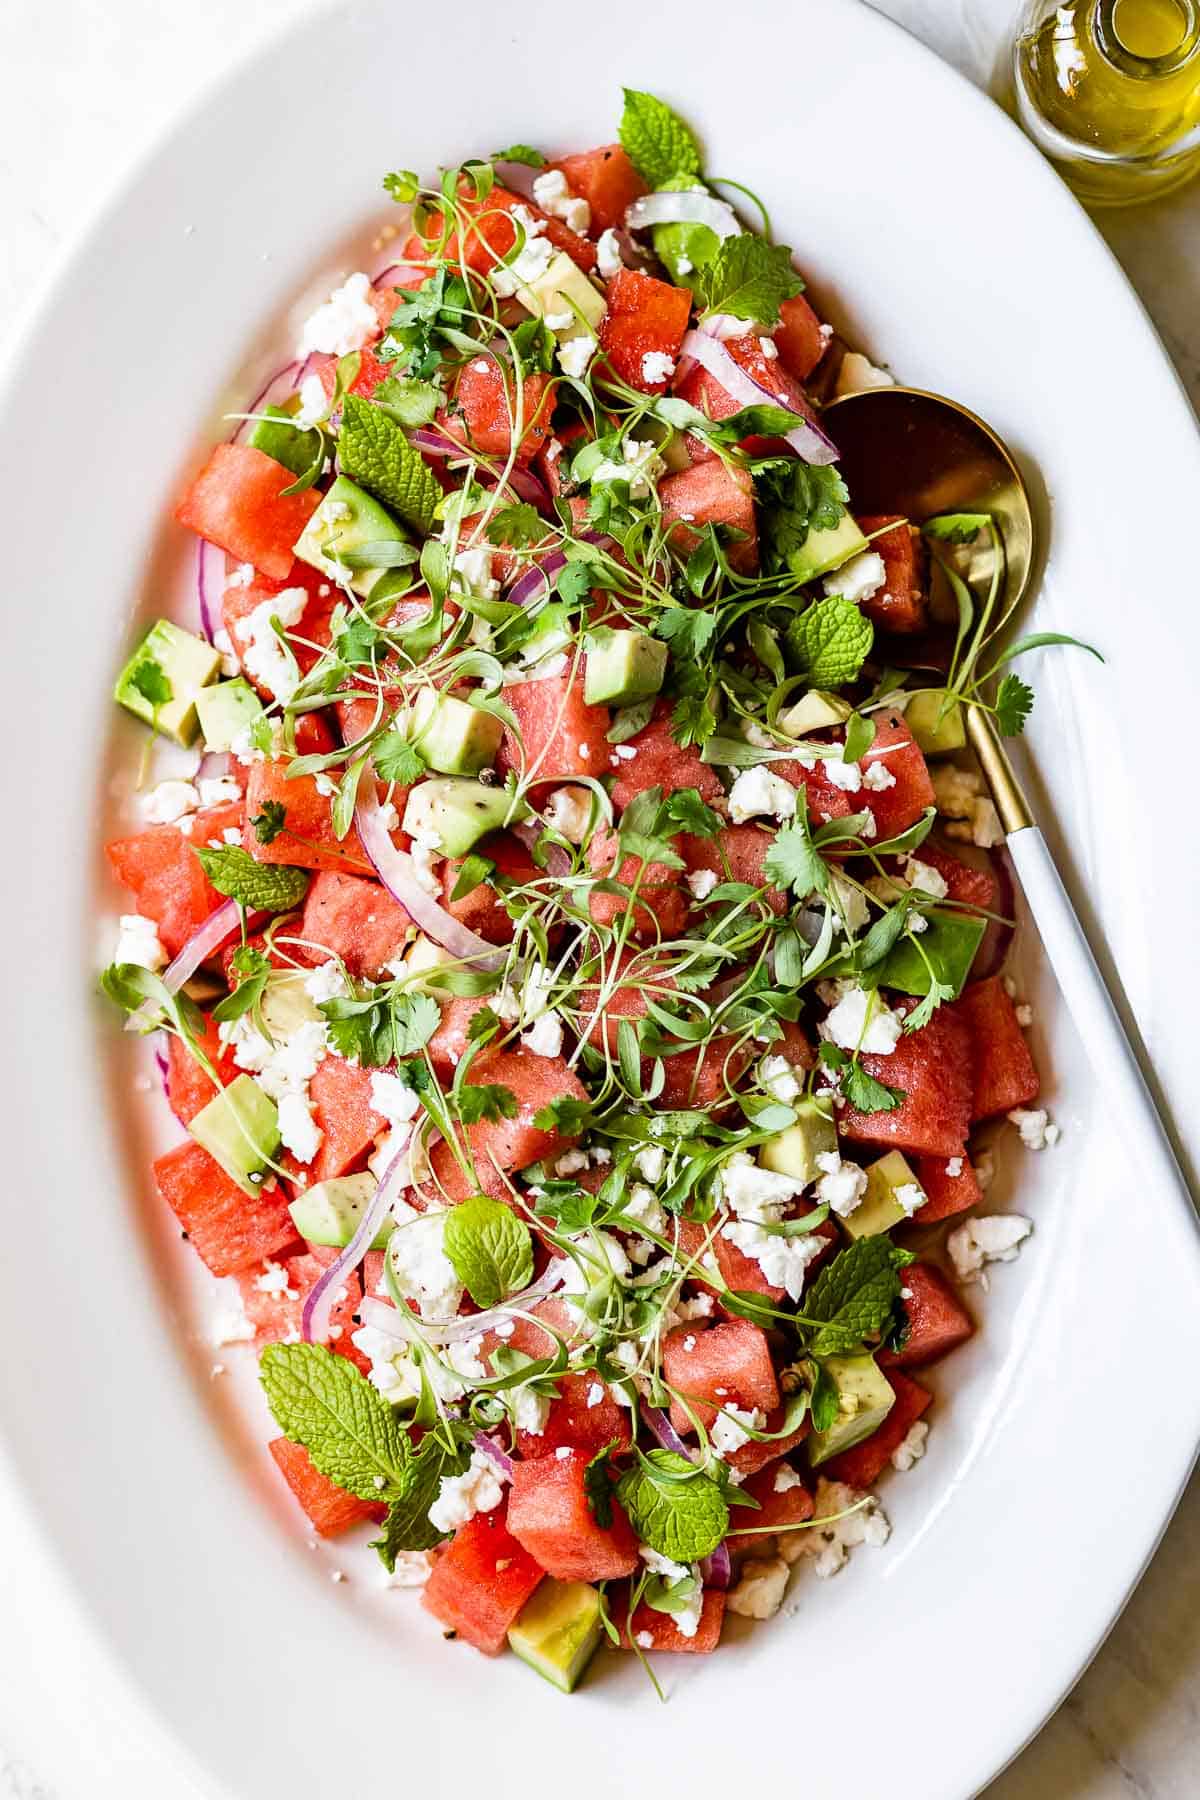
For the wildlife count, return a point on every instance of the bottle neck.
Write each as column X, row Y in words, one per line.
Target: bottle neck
column 1147, row 39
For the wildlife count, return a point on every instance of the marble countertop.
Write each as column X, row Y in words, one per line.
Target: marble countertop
column 81, row 101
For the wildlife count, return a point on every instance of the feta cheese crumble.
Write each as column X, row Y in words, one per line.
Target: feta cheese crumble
column 575, row 355
column 138, row 943
column 264, row 658
column 702, row 882
column 552, row 193
column 728, row 1432
column 545, row 1036
column 859, row 579
column 460, row 1497
column 910, row 1451
column 1037, row 1130
column 760, row 1587
column 345, row 322
column 170, row 800
column 841, row 1185
column 862, row 1021
column 608, row 254
column 657, row 366
column 977, row 1242
column 758, row 791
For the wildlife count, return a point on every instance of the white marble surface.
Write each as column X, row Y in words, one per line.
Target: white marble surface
column 87, row 84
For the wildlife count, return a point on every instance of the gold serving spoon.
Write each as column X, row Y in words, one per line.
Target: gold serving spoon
column 906, row 451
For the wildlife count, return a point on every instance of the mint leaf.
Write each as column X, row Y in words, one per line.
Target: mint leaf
column 151, row 681
column 397, row 760
column 673, row 1506
column 854, row 1296
column 490, row 1248
column 374, row 451
column 350, row 1432
column 831, row 641
column 750, row 279
column 1014, row 703
column 407, row 1526
column 260, row 887
column 656, row 140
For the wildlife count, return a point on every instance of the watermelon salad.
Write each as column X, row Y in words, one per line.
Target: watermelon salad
column 572, row 932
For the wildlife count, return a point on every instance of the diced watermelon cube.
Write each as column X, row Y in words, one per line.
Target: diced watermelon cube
column 645, row 317
column 964, row 883
column 480, row 1582
column 560, row 734
column 606, row 179
column 481, row 910
column 901, row 805
column 709, row 395
column 709, row 493
column 308, row 840
column 228, row 1229
column 715, row 1366
column 162, row 871
column 737, row 853
column 485, row 410
column 576, row 1417
column 799, row 338
column 903, row 604
column 508, row 1144
column 752, row 1457
column 549, row 1514
column 330, row 1508
column 824, row 799
column 938, row 1322
column 312, row 632
column 188, row 1087
column 275, row 1305
column 492, row 233
column 948, row 1194
column 237, row 501
column 783, row 1500
column 664, row 1634
column 352, row 918
column 703, row 1077
column 932, row 1067
column 340, row 1094
column 862, row 1466
column 660, row 908
column 1004, row 1072
column 371, row 373
column 661, row 762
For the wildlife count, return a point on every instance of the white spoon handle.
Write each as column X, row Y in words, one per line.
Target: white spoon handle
column 1096, row 1018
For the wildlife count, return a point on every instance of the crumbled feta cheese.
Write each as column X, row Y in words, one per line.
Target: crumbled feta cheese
column 844, row 775
column 779, row 1078
column 910, row 1196
column 563, row 1453
column 597, row 1258
column 912, row 1448
column 221, row 790
column 783, row 1260
column 851, row 902
column 263, row 656
column 169, row 801
column 641, row 1205
column 554, row 196
column 345, row 322
column 1036, row 1129
column 298, row 1130
column 460, row 1497
column 955, row 790
column 138, row 943
column 760, row 1587
column 419, row 1264
column 702, row 882
column 859, row 579
column 572, row 1163
column 924, row 876
column 1024, row 1017
column 768, row 348
column 749, row 1189
column 568, row 811
column 728, row 1434
column 474, row 567
column 393, row 1098
column 545, row 1037
column 858, row 373
column 877, row 776
column 841, row 1185
column 575, row 355
column 558, row 321
column 829, row 1543
column 640, row 466
column 786, row 1479
column 759, row 791
column 663, row 1565
column 650, row 1163
column 530, row 1410
column 425, row 851
column 314, row 403
column 608, row 254
column 996, row 1238
column 283, row 1067
column 595, row 1394
column 862, row 1020
column 412, row 1569
column 954, row 1167
column 231, row 1326
column 644, row 1640
column 223, row 644
column 274, row 1282
column 657, row 365
column 531, row 261
column 325, row 982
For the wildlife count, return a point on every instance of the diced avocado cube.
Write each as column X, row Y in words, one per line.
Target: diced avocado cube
column 286, row 1003
column 454, row 813
column 865, row 1398
column 240, row 1130
column 423, row 957
column 560, row 290
column 827, row 548
column 817, row 711
column 329, row 1212
column 946, row 947
column 348, row 519
column 558, row 1630
column 937, row 731
column 225, row 710
column 162, row 678
column 277, row 435
column 879, row 1210
column 794, row 1151
column 452, row 736
column 623, row 666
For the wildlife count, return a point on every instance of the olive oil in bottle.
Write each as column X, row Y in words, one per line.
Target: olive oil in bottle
column 1109, row 90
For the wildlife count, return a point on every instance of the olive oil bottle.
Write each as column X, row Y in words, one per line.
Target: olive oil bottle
column 1110, row 91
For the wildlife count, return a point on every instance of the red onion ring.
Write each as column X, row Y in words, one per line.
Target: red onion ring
column 539, row 574
column 396, row 871
column 558, row 863
column 434, row 444
column 659, row 1426
column 203, row 943
column 808, row 440
column 685, row 206
column 716, row 1571
column 210, row 586
column 489, row 1448
column 314, row 1321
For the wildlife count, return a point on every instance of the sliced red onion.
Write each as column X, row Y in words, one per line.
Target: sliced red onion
column 808, row 440
column 398, row 874
column 314, row 1322
column 277, row 388
column 490, row 1448
column 210, row 585
column 540, row 574
column 204, row 942
column 214, row 765
column 658, row 1424
column 558, row 863
column 390, row 1320
column 434, row 444
column 716, row 1571
column 686, row 206
column 528, row 487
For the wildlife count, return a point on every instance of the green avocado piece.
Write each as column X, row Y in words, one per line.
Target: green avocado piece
column 162, row 678
column 240, row 1130
column 879, row 1210
column 950, row 941
column 817, row 711
column 329, row 1212
column 457, row 812
column 827, row 548
column 225, row 710
column 794, row 1151
column 865, row 1399
column 563, row 288
column 452, row 736
column 277, row 435
column 558, row 1630
column 347, row 519
column 937, row 732
column 623, row 666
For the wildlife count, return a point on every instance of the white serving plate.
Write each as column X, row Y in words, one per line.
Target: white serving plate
column 935, row 236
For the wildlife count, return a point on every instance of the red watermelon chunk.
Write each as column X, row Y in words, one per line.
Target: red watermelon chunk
column 340, row 1094
column 862, row 1466
column 485, row 410
column 606, row 179
column 901, row 805
column 715, row 1366
column 783, row 1504
column 798, row 337
column 1004, row 1073
column 824, row 798
column 480, row 1582
column 655, row 1632
column 964, row 883
column 493, row 233
column 938, row 1322
column 755, row 1456
column 273, row 1296
column 737, row 853
column 237, row 502
column 355, row 919
column 228, row 1229
column 549, row 1514
column 576, row 1417
column 703, row 1077
column 508, row 1144
column 709, row 493
column 162, row 871
column 645, row 317
column 709, row 395
column 903, row 604
column 561, row 735
column 661, row 762
column 311, row 633
column 660, row 908
column 948, row 1194
column 481, row 910
column 308, row 840
column 330, row 1508
column 188, row 1087
column 932, row 1067
column 371, row 373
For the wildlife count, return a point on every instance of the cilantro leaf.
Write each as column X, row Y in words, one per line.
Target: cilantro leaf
column 350, row 1432
column 407, row 1526
column 490, row 1248
column 865, row 1094
column 750, row 279
column 831, row 641
column 270, row 821
column 403, row 186
column 937, row 994
column 261, row 887
column 374, row 451
column 794, row 862
column 1014, row 703
column 656, row 140
column 396, row 759
column 688, row 812
column 486, row 1102
column 673, row 1506
column 516, row 526
column 408, row 401
column 854, row 1295
column 152, row 682
column 688, row 630
column 566, row 1115
column 379, row 1030
column 794, row 499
